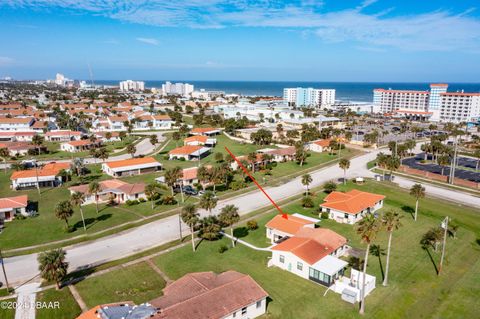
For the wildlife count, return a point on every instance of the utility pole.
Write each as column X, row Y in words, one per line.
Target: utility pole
column 4, row 272
column 445, row 226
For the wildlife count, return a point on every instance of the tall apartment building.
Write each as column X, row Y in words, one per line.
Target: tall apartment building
column 183, row 89
column 134, row 86
column 309, row 97
column 436, row 104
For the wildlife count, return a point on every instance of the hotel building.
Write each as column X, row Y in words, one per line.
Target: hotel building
column 309, row 97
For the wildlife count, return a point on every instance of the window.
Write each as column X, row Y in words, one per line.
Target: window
column 299, row 265
column 259, row 304
column 244, row 310
column 282, row 259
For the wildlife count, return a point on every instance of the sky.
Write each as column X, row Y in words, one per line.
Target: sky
column 263, row 40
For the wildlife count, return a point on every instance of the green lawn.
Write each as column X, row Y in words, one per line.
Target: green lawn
column 138, row 283
column 68, row 307
column 415, row 291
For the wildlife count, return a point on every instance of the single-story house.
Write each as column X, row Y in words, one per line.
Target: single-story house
column 207, row 131
column 189, row 152
column 312, row 253
column 319, row 146
column 79, row 146
column 280, row 227
column 352, row 206
column 200, row 140
column 10, row 206
column 46, row 176
column 132, row 166
column 112, row 189
column 63, row 136
column 215, row 296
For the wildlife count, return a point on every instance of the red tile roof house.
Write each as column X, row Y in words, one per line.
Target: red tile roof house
column 279, row 227
column 352, row 206
column 63, row 136
column 132, row 166
column 189, row 152
column 200, row 140
column 207, row 131
column 319, row 146
column 79, row 146
column 10, row 206
column 48, row 176
column 312, row 253
column 112, row 189
column 206, row 295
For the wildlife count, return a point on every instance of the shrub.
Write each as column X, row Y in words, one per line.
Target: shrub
column 222, row 249
column 168, row 200
column 252, row 224
column 307, row 202
column 324, row 215
column 329, row 187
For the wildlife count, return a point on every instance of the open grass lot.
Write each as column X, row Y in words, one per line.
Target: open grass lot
column 415, row 290
column 68, row 307
column 138, row 283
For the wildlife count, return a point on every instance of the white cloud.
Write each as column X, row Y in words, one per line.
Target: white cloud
column 5, row 61
column 150, row 41
column 434, row 31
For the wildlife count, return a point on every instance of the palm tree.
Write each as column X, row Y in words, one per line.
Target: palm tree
column 77, row 199
column 208, row 201
column 344, row 164
column 63, row 211
column 131, row 149
column 368, row 229
column 417, row 191
column 151, row 190
column 190, row 217
column 306, row 180
column 94, row 188
column 52, row 265
column 228, row 217
column 391, row 221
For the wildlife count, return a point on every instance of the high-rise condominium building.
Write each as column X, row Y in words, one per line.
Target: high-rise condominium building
column 309, row 97
column 183, row 89
column 435, row 105
column 132, row 86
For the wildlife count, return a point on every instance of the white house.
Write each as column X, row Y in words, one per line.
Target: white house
column 352, row 206
column 229, row 295
column 312, row 253
column 10, row 206
column 282, row 226
column 132, row 166
column 189, row 152
column 112, row 189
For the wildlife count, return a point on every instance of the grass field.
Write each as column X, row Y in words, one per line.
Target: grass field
column 138, row 283
column 415, row 290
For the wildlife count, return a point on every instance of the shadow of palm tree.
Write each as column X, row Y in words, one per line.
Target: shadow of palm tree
column 377, row 251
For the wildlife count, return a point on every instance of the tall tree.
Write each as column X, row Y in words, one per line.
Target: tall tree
column 208, row 201
column 391, row 221
column 190, row 217
column 77, row 199
column 94, row 188
column 228, row 217
column 368, row 229
column 417, row 191
column 63, row 211
column 306, row 181
column 52, row 265
column 344, row 164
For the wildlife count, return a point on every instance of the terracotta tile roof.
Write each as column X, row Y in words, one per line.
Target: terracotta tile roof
column 196, row 138
column 14, row 202
column 51, row 169
column 352, row 202
column 132, row 162
column 289, row 225
column 312, row 244
column 207, row 295
column 185, row 150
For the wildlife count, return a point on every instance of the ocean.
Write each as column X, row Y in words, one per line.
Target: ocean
column 345, row 91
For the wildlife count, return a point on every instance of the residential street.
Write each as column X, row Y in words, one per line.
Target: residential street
column 22, row 268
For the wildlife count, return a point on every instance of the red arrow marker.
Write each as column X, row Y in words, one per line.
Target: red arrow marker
column 256, row 183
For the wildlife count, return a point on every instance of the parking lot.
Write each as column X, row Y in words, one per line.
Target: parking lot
column 415, row 162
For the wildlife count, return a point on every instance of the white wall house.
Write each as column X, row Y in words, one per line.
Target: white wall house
column 352, row 206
